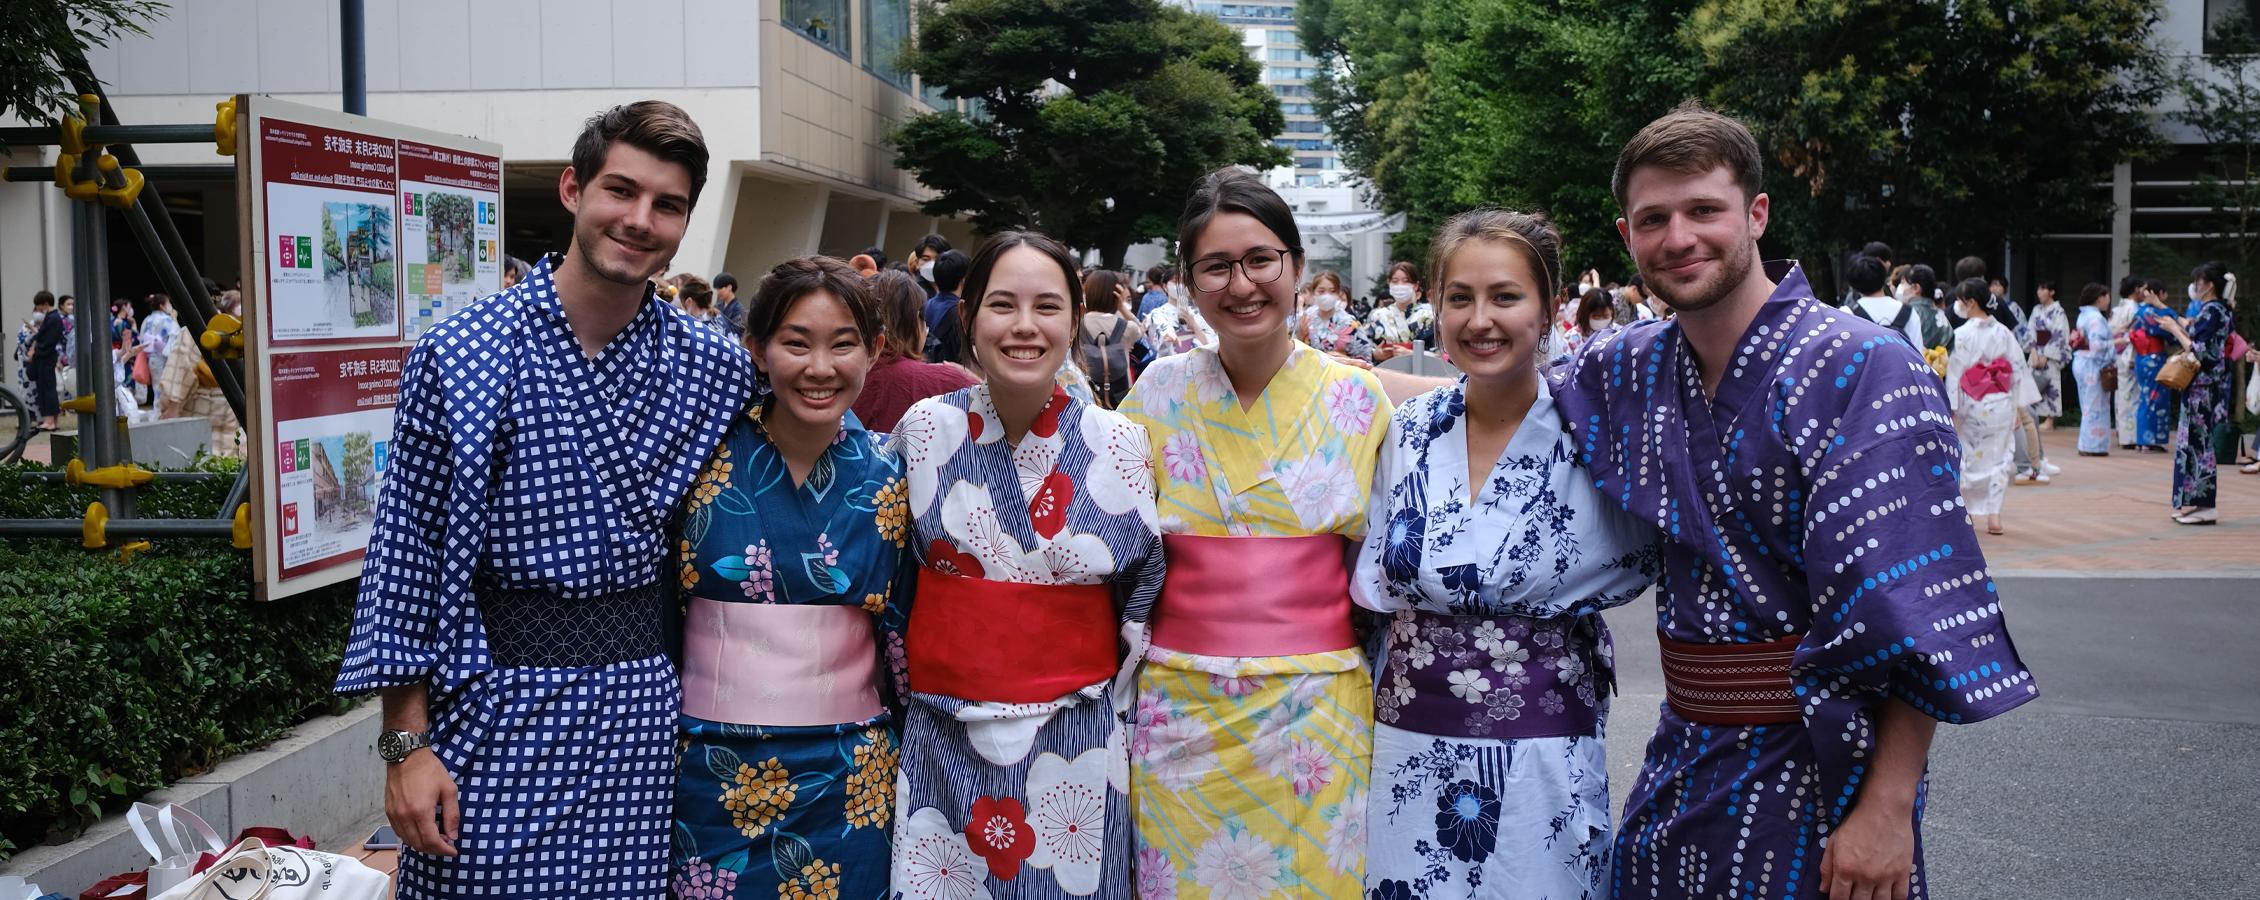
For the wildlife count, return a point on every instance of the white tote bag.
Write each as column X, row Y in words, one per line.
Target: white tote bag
column 251, row 870
column 175, row 839
column 15, row 888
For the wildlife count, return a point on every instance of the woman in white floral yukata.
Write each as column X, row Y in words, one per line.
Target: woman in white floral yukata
column 1493, row 554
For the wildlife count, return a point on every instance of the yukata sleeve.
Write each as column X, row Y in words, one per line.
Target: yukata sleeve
column 893, row 628
column 1137, row 588
column 1368, row 583
column 1360, row 345
column 397, row 636
column 1902, row 604
column 2207, row 328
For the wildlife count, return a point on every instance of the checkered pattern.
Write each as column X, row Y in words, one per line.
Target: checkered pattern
column 519, row 462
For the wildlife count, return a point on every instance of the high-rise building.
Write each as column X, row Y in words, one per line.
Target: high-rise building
column 1267, row 29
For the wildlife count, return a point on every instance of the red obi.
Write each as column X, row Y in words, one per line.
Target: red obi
column 1730, row 684
column 1254, row 596
column 1987, row 379
column 1005, row 642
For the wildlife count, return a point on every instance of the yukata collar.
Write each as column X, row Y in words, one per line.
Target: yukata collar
column 758, row 412
column 542, row 290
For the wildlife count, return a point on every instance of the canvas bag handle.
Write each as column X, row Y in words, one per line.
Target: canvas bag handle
column 241, row 873
column 171, row 844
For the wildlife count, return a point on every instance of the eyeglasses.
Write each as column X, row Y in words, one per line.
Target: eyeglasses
column 1260, row 266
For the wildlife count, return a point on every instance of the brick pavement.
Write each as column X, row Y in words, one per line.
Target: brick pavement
column 2109, row 515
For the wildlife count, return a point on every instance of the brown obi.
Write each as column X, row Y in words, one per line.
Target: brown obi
column 1730, row 684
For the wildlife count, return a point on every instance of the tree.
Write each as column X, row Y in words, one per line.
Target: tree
column 2221, row 102
column 1446, row 105
column 1098, row 115
column 43, row 47
column 1946, row 126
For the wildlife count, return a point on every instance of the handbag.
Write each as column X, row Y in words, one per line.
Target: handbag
column 2108, row 378
column 176, row 843
column 2180, row 369
column 2252, row 389
column 141, row 367
column 251, row 870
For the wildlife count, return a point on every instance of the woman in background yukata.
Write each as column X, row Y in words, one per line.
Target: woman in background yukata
column 1326, row 324
column 1493, row 555
column 2152, row 332
column 2094, row 354
column 1254, row 725
column 791, row 553
column 1033, row 514
column 1987, row 381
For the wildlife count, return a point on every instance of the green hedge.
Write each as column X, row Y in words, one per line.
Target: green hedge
column 117, row 678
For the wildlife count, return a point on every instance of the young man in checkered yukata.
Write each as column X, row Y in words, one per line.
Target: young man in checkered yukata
column 511, row 604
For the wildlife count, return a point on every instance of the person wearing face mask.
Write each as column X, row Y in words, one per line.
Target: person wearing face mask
column 1032, row 513
column 1987, row 382
column 2206, row 431
column 1176, row 325
column 1253, row 731
column 1466, row 470
column 1395, row 325
column 782, row 673
column 922, row 259
column 1324, row 324
column 1595, row 314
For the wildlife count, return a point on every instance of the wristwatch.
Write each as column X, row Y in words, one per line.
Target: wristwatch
column 394, row 746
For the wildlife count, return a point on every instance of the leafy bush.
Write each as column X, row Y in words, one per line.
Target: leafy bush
column 117, row 678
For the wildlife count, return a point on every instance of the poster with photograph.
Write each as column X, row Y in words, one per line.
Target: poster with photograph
column 333, row 425
column 450, row 232
column 331, row 213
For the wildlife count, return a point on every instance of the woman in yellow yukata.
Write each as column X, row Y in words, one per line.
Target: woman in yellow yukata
column 1252, row 734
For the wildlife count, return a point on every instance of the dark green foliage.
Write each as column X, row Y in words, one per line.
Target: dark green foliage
column 43, row 44
column 1940, row 128
column 2221, row 102
column 1098, row 115
column 117, row 678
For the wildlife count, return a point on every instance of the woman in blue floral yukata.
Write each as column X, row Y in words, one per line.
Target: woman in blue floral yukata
column 790, row 556
column 1493, row 556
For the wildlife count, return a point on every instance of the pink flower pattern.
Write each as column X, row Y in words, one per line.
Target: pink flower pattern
column 1183, row 458
column 1350, row 406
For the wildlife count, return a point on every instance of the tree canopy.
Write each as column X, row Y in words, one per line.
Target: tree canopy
column 1949, row 127
column 1096, row 115
column 43, row 46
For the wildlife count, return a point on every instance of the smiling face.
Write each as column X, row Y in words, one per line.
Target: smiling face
column 1023, row 322
column 1493, row 311
column 815, row 361
column 1694, row 237
column 1244, row 313
column 628, row 220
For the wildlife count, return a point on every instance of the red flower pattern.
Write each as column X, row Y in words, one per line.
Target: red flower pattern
column 1047, row 511
column 997, row 831
column 949, row 561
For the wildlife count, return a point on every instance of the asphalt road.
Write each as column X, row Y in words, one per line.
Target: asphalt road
column 2135, row 775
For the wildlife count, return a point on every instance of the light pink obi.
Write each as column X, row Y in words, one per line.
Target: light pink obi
column 778, row 664
column 1254, row 596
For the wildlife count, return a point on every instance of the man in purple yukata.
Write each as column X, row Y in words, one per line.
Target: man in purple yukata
column 512, row 611
column 1824, row 603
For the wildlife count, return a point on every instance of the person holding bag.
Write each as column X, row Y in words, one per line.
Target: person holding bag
column 2205, row 423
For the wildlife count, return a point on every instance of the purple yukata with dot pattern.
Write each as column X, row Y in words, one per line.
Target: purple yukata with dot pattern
column 1815, row 496
column 520, row 467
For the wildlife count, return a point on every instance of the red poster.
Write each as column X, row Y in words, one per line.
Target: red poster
column 333, row 414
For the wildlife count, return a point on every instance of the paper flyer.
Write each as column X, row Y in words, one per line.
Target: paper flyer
column 331, row 215
column 333, row 428
column 450, row 232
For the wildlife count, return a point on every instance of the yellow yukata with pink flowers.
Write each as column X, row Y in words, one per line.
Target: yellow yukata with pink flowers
column 1248, row 773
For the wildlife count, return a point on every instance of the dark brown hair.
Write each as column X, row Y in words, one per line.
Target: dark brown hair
column 657, row 127
column 1692, row 140
column 1412, row 272
column 902, row 315
column 694, row 290
column 1098, row 290
column 797, row 278
column 1595, row 300
column 1232, row 190
column 985, row 262
column 1529, row 233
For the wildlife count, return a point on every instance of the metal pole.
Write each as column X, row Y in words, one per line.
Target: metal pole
column 182, row 172
column 352, row 55
column 237, row 495
column 159, row 476
column 100, row 434
column 117, row 528
column 109, row 133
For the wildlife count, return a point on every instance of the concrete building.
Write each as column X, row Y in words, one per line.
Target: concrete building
column 794, row 97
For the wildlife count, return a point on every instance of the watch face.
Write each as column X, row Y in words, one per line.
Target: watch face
column 392, row 746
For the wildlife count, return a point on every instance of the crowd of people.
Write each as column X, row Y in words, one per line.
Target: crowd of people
column 885, row 584
column 155, row 366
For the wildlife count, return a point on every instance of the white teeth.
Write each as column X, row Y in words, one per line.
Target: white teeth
column 820, row 395
column 1024, row 353
column 1243, row 310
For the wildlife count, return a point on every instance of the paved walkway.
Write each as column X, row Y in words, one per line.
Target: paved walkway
column 2109, row 515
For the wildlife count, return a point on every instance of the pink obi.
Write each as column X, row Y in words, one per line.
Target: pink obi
column 1254, row 596
column 779, row 664
column 1987, row 379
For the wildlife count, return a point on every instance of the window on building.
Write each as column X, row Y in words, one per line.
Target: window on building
column 1310, row 162
column 1287, row 54
column 886, row 31
column 823, row 21
column 1290, row 73
column 2231, row 26
column 932, row 94
column 1298, row 109
column 1290, row 90
column 1306, row 128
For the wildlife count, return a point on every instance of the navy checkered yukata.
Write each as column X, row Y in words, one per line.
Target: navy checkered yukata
column 515, row 568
